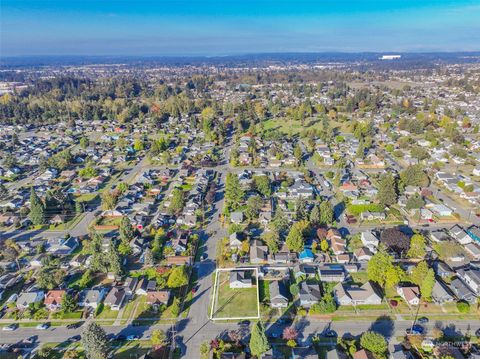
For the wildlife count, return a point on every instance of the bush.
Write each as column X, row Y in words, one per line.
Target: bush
column 463, row 307
column 357, row 209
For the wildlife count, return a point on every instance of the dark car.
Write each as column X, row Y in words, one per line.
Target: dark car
column 330, row 333
column 244, row 322
column 286, row 321
column 75, row 338
column 121, row 337
column 415, row 330
column 422, row 320
column 74, row 325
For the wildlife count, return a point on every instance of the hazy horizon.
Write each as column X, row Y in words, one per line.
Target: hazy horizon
column 216, row 28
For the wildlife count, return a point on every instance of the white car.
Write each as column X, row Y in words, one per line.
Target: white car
column 10, row 327
column 42, row 326
column 133, row 337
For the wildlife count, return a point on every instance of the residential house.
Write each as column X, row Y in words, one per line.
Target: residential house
column 369, row 240
column 235, row 240
column 115, row 298
column 53, row 299
column 62, row 246
column 130, row 285
column 278, row 294
column 237, row 217
column 145, row 286
column 309, row 294
column 25, row 299
column 441, row 294
column 90, row 298
column 356, row 295
column 410, row 294
column 156, row 298
column 240, row 279
column 258, row 252
column 471, row 277
column 306, row 256
column 363, row 254
column 331, row 274
column 460, row 235
column 462, row 291
column 309, row 271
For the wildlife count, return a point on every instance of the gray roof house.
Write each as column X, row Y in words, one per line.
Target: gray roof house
column 309, row 294
column 236, row 217
column 90, row 298
column 25, row 299
column 356, row 295
column 461, row 291
column 239, row 279
column 278, row 294
column 471, row 277
column 115, row 298
column 441, row 294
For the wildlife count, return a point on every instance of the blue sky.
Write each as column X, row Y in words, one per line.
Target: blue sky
column 222, row 27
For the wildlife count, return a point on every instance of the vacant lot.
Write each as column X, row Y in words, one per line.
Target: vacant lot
column 234, row 303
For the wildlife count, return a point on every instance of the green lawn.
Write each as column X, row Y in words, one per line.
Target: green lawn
column 106, row 313
column 234, row 302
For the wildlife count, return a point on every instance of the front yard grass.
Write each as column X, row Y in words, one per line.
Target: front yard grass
column 234, row 303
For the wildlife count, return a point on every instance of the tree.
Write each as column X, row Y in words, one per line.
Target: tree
column 148, row 259
column 234, row 193
column 374, row 342
column 415, row 202
column 94, row 341
column 126, row 234
column 70, row 354
column 204, row 350
column 272, row 240
column 3, row 191
column 45, row 352
column 324, row 245
column 158, row 338
column 395, row 240
column 69, row 303
column 258, row 340
column 175, row 308
column 419, row 273
column 177, row 202
column 414, row 176
column 326, row 213
column 463, row 307
column 178, row 277
column 262, row 185
column 294, row 239
column 109, row 200
column 290, row 333
column 379, row 266
column 417, row 246
column 114, row 260
column 297, row 152
column 294, row 289
column 84, row 142
column 37, row 209
column 315, row 215
column 426, row 287
column 280, row 221
column 254, row 205
column 387, row 190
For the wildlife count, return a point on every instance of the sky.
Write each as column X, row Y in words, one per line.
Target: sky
column 228, row 27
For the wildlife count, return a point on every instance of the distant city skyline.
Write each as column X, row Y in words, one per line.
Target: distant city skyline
column 214, row 27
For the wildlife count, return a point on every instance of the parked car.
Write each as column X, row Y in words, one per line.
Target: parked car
column 10, row 327
column 415, row 330
column 75, row 338
column 43, row 326
column 133, row 337
column 422, row 320
column 330, row 333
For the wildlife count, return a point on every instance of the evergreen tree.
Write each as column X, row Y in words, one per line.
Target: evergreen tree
column 375, row 343
column 94, row 341
column 258, row 340
column 127, row 233
column 326, row 213
column 234, row 193
column 114, row 260
column 37, row 210
column 315, row 215
column 148, row 257
column 295, row 240
column 387, row 194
